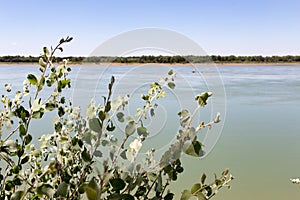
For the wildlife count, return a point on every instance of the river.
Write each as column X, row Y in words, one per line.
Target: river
column 258, row 139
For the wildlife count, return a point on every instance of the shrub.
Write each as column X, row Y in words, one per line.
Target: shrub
column 81, row 157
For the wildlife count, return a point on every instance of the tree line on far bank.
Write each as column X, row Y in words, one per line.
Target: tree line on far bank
column 159, row 59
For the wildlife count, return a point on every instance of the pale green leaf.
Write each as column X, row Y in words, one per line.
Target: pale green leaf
column 62, row 189
column 92, row 190
column 90, row 193
column 120, row 117
column 196, row 189
column 17, row 195
column 201, row 196
column 130, row 128
column 46, row 189
column 95, row 125
column 186, row 195
column 171, row 85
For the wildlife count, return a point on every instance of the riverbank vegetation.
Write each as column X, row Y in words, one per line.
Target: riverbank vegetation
column 159, row 59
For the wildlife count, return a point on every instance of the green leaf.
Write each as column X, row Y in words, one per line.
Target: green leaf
column 46, row 189
column 69, row 39
column 120, row 117
column 110, row 127
column 9, row 185
column 165, row 159
column 22, row 130
column 86, row 156
column 63, row 83
column 92, row 190
column 198, row 148
column 37, row 153
column 202, row 98
column 127, row 197
column 225, row 172
column 152, row 113
column 117, row 184
column 17, row 180
column 123, row 154
column 98, row 153
column 58, row 127
column 11, row 146
column 93, row 184
column 184, row 117
column 169, row 196
column 201, row 196
column 115, row 196
column 171, row 85
column 61, row 111
column 196, row 189
column 63, row 139
column 41, row 83
column 63, row 100
column 17, row 195
column 95, row 125
column 42, row 63
column 25, row 160
column 203, row 178
column 81, row 188
column 90, row 193
column 101, row 115
column 107, row 107
column 38, row 114
column 209, row 190
column 15, row 169
column 87, row 137
column 186, row 195
column 62, row 189
column 194, row 149
column 142, row 131
column 130, row 128
column 46, row 51
column 50, row 106
column 32, row 79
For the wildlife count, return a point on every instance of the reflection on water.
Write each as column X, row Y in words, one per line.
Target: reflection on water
column 260, row 142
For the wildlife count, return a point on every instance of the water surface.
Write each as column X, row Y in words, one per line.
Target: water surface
column 260, row 141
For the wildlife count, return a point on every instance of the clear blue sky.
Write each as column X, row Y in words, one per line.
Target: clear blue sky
column 240, row 27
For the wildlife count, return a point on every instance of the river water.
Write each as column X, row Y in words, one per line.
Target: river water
column 258, row 139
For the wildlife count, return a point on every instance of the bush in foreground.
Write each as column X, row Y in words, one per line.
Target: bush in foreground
column 81, row 157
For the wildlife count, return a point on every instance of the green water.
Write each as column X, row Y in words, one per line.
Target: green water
column 260, row 140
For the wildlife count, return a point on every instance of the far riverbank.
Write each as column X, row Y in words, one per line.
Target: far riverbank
column 160, row 64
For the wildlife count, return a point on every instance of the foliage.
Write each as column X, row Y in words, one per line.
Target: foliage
column 82, row 157
column 161, row 59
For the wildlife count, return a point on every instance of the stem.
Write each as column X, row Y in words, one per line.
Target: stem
column 11, row 133
column 82, row 175
column 146, row 195
column 119, row 151
column 165, row 186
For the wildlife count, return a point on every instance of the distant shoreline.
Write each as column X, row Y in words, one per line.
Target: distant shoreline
column 161, row 64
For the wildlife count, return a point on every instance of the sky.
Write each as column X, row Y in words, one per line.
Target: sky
column 220, row 27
